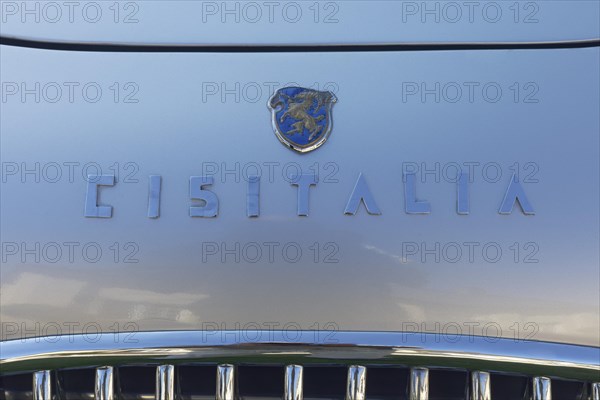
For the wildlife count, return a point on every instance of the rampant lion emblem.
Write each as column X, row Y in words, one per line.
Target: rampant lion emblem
column 302, row 117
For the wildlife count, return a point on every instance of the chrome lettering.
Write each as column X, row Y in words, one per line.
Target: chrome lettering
column 92, row 209
column 362, row 193
column 253, row 196
column 463, row 206
column 154, row 187
column 304, row 182
column 412, row 206
column 515, row 193
column 197, row 192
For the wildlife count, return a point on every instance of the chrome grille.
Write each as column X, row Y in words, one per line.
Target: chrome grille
column 359, row 366
column 390, row 382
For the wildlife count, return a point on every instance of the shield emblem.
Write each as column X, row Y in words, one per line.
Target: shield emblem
column 302, row 117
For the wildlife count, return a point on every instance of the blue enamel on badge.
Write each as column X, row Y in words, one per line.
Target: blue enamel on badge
column 302, row 117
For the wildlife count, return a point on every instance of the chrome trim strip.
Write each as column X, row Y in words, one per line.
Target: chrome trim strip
column 294, row 382
column 104, row 386
column 595, row 391
column 419, row 384
column 165, row 382
column 542, row 388
column 225, row 382
column 42, row 390
column 105, row 46
column 481, row 386
column 412, row 349
column 356, row 388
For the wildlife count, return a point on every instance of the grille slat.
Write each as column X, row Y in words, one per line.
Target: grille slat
column 596, row 391
column 165, row 382
column 294, row 382
column 42, row 389
column 357, row 383
column 419, row 384
column 481, row 386
column 542, row 388
column 225, row 382
column 104, row 385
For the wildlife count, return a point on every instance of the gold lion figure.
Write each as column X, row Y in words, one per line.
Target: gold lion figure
column 298, row 107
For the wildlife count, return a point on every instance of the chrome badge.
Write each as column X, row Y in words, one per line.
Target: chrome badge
column 302, row 117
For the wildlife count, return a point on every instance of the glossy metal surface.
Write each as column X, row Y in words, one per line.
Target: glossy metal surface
column 225, row 382
column 302, row 117
column 542, row 388
column 176, row 130
column 412, row 205
column 356, row 387
column 568, row 361
column 198, row 192
column 515, row 194
column 462, row 194
column 104, row 386
column 362, row 21
column 595, row 391
column 361, row 193
column 481, row 386
column 304, row 182
column 253, row 197
column 42, row 388
column 92, row 209
column 165, row 382
column 293, row 385
column 154, row 188
column 419, row 384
